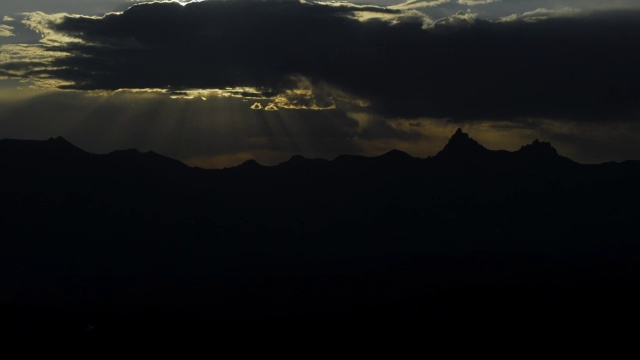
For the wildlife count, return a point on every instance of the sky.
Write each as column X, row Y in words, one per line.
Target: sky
column 214, row 83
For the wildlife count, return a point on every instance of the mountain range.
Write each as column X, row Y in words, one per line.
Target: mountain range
column 467, row 235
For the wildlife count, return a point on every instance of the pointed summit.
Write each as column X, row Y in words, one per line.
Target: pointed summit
column 460, row 135
column 461, row 145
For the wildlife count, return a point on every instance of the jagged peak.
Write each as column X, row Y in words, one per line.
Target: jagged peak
column 537, row 142
column 461, row 143
column 460, row 135
column 539, row 147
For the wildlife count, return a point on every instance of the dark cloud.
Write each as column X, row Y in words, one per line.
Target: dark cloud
column 204, row 45
column 578, row 66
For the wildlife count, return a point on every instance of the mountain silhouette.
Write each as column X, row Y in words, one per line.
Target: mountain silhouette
column 40, row 152
column 365, row 241
column 460, row 148
column 135, row 160
column 460, row 145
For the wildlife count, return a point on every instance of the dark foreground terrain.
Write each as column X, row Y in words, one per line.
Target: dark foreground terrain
column 137, row 243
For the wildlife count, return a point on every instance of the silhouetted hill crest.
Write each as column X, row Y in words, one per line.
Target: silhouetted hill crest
column 396, row 154
column 62, row 143
column 53, row 154
column 297, row 159
column 301, row 162
column 250, row 164
column 461, row 152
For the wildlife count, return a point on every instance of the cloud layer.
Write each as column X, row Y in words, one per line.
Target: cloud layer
column 545, row 64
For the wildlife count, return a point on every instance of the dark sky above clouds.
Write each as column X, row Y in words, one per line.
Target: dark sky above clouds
column 360, row 78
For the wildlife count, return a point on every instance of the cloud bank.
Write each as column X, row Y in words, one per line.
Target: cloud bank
column 544, row 64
